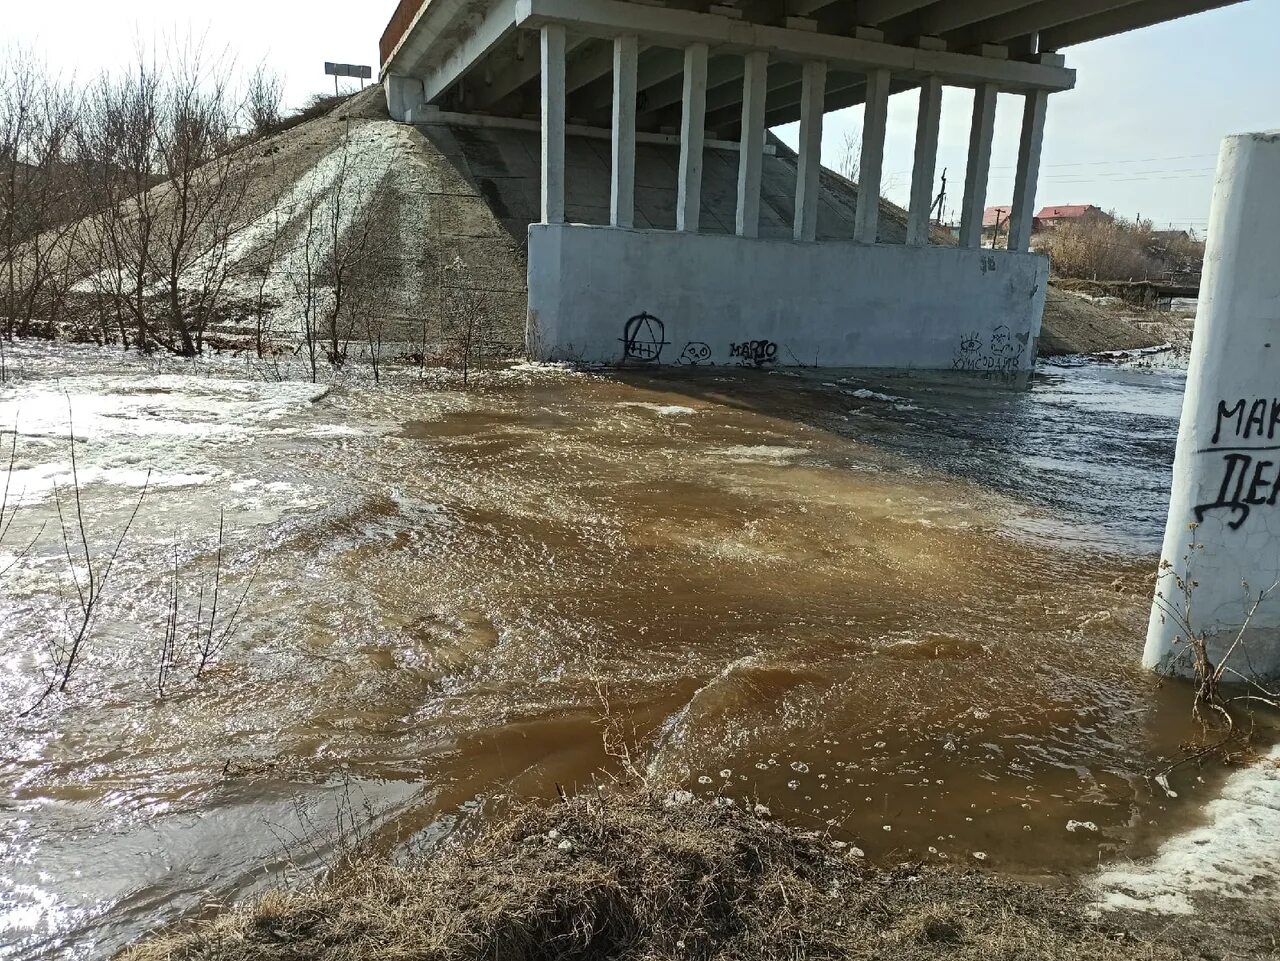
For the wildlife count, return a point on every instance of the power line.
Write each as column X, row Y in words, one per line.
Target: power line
column 1106, row 163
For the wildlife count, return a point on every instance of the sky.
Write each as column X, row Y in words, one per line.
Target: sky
column 1139, row 135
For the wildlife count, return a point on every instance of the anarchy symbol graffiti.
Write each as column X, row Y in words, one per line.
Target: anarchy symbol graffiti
column 643, row 338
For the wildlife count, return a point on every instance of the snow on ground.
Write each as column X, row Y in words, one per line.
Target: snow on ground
column 1234, row 854
column 339, row 185
column 321, row 208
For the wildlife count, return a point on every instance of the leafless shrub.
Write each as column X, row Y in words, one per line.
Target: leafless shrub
column 210, row 628
column 262, row 101
column 10, row 502
column 849, row 165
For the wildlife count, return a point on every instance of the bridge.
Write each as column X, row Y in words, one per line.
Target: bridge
column 708, row 76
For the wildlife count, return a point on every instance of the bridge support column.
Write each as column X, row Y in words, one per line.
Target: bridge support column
column 1022, row 213
column 1226, row 473
column 751, row 143
column 553, row 123
column 926, row 162
column 875, row 120
column 808, row 171
column 622, row 189
column 693, row 118
column 978, row 170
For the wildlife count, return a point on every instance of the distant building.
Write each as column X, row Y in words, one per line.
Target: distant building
column 1050, row 217
column 995, row 223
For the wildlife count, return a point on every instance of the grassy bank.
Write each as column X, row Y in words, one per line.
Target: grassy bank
column 648, row 875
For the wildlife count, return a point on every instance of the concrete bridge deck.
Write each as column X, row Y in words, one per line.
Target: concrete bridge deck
column 475, row 57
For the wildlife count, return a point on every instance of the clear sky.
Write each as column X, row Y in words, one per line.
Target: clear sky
column 1139, row 134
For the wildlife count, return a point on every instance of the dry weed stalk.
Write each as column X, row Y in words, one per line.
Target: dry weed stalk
column 208, row 637
column 10, row 503
column 89, row 576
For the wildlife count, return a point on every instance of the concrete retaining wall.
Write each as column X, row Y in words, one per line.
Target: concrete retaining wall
column 644, row 298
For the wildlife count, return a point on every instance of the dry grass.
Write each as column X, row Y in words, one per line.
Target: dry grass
column 1118, row 250
column 613, row 874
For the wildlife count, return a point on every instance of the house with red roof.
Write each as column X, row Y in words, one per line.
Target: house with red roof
column 995, row 223
column 1050, row 217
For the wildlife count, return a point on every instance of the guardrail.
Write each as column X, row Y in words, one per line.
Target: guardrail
column 406, row 10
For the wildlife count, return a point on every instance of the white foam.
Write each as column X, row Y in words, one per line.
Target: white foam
column 776, row 453
column 664, row 410
column 127, row 427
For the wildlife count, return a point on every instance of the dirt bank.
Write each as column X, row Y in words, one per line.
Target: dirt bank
column 656, row 874
column 1074, row 324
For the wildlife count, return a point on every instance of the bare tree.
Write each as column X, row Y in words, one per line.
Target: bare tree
column 466, row 320
column 264, row 264
column 332, row 271
column 39, row 205
column 120, row 162
column 203, row 191
column 849, row 165
column 157, row 148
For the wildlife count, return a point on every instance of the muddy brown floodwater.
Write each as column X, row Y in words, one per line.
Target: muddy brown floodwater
column 905, row 611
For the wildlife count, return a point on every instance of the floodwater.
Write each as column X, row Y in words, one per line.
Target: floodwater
column 904, row 610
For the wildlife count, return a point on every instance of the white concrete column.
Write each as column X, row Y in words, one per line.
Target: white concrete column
column 622, row 189
column 1027, row 175
column 751, row 143
column 926, row 161
column 1226, row 472
column 875, row 118
column 978, row 170
column 553, row 109
column 813, row 91
column 693, row 118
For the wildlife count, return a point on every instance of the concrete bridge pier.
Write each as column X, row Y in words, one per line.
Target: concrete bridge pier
column 1221, row 559
column 617, row 294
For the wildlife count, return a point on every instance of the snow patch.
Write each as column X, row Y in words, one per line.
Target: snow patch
column 1236, row 854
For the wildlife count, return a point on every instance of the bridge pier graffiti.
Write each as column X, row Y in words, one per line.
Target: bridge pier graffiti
column 1250, row 455
column 999, row 354
column 643, row 337
column 696, row 353
column 754, row 353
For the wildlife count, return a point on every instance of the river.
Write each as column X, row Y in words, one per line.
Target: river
column 907, row 610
